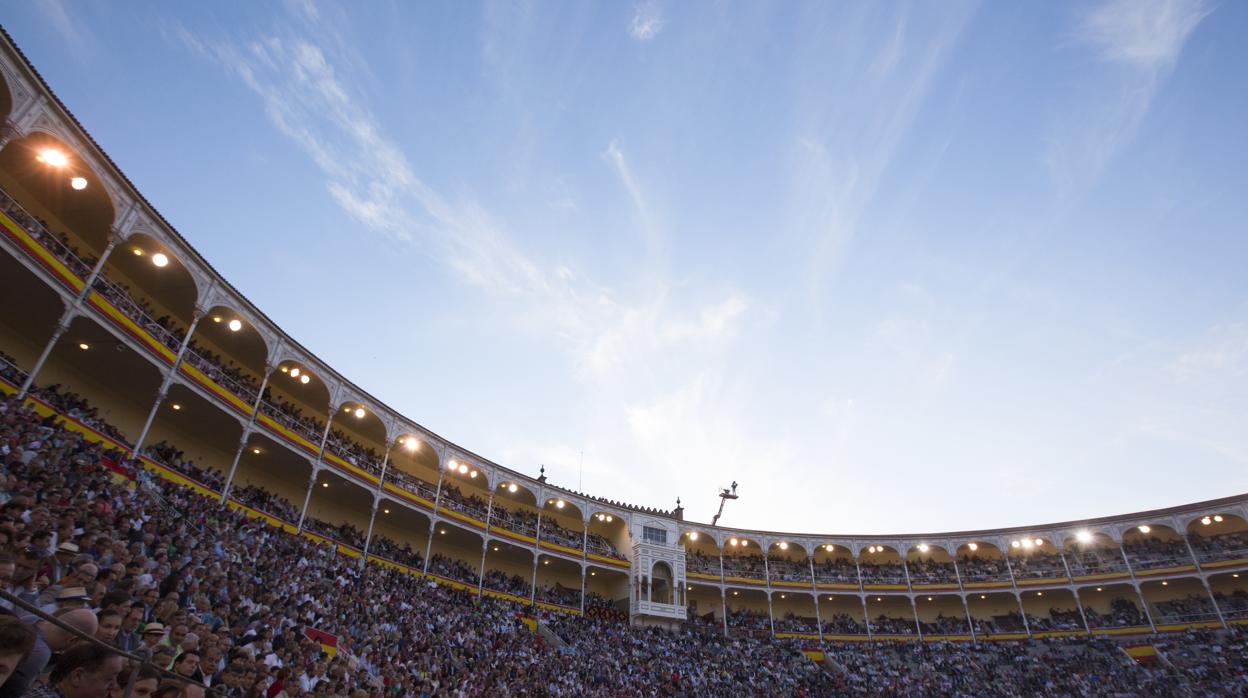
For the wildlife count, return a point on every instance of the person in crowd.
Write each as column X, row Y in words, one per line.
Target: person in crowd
column 85, row 670
column 16, row 641
column 109, row 624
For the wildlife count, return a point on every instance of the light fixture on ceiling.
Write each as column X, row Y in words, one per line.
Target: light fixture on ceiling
column 235, row 325
column 160, row 259
column 52, row 157
column 78, row 183
column 359, row 413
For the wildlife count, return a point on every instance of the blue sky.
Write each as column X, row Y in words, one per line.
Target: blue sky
column 892, row 267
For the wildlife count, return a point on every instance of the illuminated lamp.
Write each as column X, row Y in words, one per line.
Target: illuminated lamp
column 693, row 535
column 359, row 413
column 53, row 157
column 558, row 503
column 512, row 488
column 385, row 511
column 1217, row 518
column 473, row 474
column 462, row 468
column 235, row 325
column 294, row 372
column 1145, row 528
column 829, row 547
column 929, row 598
column 1039, row 542
column 78, row 183
column 160, row 259
column 784, row 546
column 1100, row 589
column 255, row 451
column 610, row 518
column 1083, row 537
column 176, row 406
column 973, row 546
column 138, row 252
column 84, row 346
column 217, row 319
column 1015, row 544
column 305, row 378
column 324, row 484
column 733, row 542
column 1165, row 584
column 923, row 547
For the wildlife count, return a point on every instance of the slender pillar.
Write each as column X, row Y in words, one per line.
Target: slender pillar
column 70, row 311
column 485, row 539
column 1136, row 584
column 970, row 624
column 320, row 456
column 914, row 607
column 814, row 589
column 723, row 596
column 537, row 547
column 583, row 581
column 1022, row 610
column 166, row 382
column 1214, row 600
column 433, row 519
column 866, row 614
column 242, row 442
column 767, row 572
column 307, row 497
column 1191, row 551
column 368, row 537
column 771, row 614
column 906, row 570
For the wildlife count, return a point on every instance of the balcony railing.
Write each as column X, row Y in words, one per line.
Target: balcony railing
column 288, row 421
column 43, row 236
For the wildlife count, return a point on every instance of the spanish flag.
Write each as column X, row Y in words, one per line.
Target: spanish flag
column 329, row 643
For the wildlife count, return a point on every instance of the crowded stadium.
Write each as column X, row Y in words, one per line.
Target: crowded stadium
column 194, row 504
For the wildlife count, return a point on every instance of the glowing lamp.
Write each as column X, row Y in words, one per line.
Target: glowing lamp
column 53, row 157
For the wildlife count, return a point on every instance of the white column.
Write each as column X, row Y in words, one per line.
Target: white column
column 316, row 467
column 166, row 382
column 368, row 537
column 242, row 442
column 70, row 311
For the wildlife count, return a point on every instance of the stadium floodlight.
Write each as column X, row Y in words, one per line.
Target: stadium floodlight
column 160, row 259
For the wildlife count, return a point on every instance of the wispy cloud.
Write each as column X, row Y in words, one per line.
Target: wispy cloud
column 1141, row 38
column 61, row 20
column 647, row 21
column 1222, row 353
column 1145, row 34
